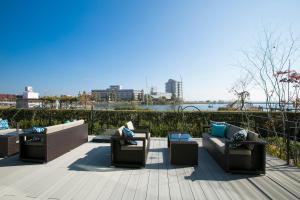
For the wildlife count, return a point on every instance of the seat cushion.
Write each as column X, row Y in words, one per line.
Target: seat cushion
column 138, row 147
column 141, row 135
column 219, row 142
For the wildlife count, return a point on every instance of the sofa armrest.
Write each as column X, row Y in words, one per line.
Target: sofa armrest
column 141, row 129
column 147, row 133
column 118, row 138
column 260, row 142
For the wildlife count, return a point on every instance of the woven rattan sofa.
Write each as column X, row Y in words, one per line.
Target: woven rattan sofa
column 9, row 142
column 126, row 155
column 250, row 158
column 56, row 141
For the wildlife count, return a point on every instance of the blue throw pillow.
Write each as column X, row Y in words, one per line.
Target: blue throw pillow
column 38, row 130
column 218, row 130
column 237, row 137
column 128, row 136
column 4, row 124
column 128, row 133
column 132, row 142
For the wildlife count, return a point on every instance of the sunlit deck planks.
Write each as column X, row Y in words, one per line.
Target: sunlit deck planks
column 85, row 173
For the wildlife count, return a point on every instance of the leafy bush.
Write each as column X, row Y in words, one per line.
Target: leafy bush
column 277, row 147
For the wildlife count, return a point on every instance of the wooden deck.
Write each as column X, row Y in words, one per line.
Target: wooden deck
column 85, row 173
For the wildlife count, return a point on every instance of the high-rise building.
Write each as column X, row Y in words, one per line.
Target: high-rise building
column 175, row 88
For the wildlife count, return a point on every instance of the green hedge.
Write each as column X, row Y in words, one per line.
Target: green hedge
column 160, row 123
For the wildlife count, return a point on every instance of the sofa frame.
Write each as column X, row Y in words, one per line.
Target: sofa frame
column 234, row 163
column 51, row 145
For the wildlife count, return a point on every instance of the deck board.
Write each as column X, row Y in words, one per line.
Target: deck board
column 85, row 173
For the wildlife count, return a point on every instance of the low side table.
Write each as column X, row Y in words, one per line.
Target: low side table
column 184, row 152
column 9, row 144
column 173, row 137
column 182, row 149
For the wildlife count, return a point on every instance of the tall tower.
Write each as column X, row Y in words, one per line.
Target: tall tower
column 175, row 88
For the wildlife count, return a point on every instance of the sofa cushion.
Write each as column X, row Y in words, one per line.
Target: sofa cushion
column 138, row 146
column 4, row 124
column 218, row 130
column 119, row 131
column 129, row 125
column 128, row 136
column 39, row 130
column 127, row 133
column 238, row 137
column 231, row 129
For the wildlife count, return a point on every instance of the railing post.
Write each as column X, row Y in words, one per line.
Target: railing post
column 288, row 129
column 92, row 119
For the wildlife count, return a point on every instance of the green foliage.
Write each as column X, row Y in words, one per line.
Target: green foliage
column 277, row 147
column 160, row 123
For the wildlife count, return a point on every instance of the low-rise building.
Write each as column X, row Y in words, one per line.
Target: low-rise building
column 29, row 99
column 155, row 95
column 116, row 93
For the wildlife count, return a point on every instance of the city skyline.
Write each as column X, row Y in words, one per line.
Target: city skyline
column 96, row 44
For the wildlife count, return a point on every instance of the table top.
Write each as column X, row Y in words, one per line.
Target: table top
column 179, row 137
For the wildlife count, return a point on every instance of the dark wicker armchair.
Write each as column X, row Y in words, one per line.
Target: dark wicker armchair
column 126, row 155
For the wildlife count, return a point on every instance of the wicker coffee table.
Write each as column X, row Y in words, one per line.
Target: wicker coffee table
column 182, row 149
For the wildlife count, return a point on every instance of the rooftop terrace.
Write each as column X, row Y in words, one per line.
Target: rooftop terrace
column 85, row 173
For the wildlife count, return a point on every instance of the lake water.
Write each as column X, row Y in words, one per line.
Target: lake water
column 186, row 107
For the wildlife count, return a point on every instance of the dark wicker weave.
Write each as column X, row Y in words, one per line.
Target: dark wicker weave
column 9, row 145
column 129, row 157
column 184, row 153
column 231, row 160
column 46, row 147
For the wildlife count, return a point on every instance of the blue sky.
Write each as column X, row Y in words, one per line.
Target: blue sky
column 62, row 47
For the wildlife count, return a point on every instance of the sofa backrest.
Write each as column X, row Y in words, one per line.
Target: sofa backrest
column 59, row 127
column 231, row 129
column 129, row 125
column 252, row 136
column 8, row 131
